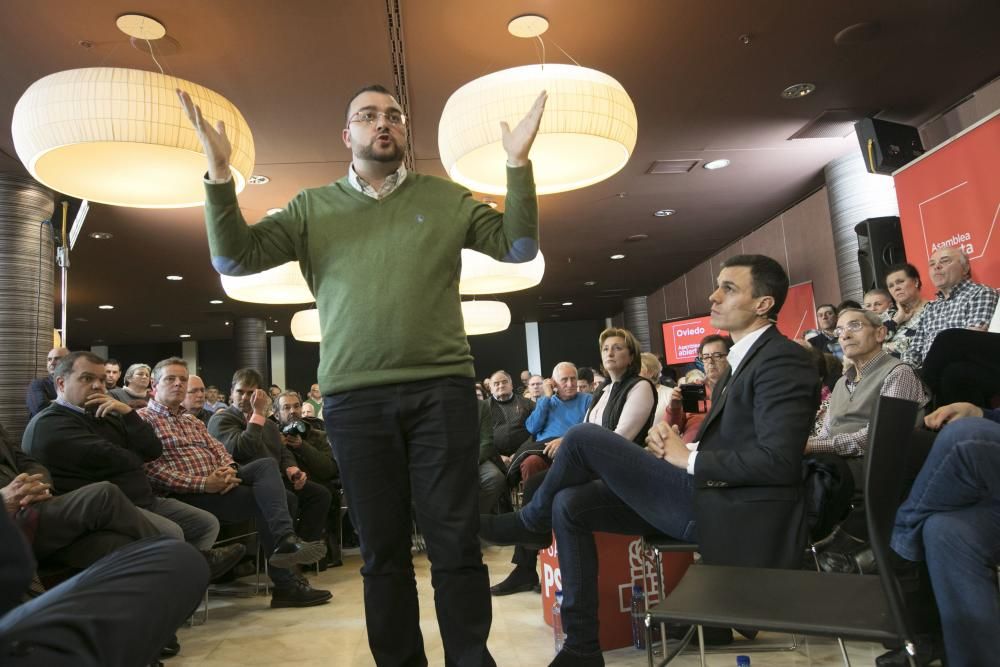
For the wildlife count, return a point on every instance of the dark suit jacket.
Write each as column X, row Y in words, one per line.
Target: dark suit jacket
column 749, row 502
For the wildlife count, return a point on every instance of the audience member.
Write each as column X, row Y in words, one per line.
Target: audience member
column 535, row 390
column 525, row 377
column 122, row 610
column 903, row 282
column 135, row 393
column 951, row 520
column 599, row 381
column 585, row 380
column 713, row 350
column 74, row 529
column 309, row 411
column 196, row 468
column 42, row 391
column 872, row 373
column 86, row 436
column 879, row 301
column 848, row 303
column 315, row 399
column 213, row 401
column 492, row 481
column 481, row 394
column 194, row 401
column 248, row 435
column 626, row 405
column 823, row 339
column 273, row 391
column 650, row 369
column 748, row 457
column 305, row 437
column 510, row 412
column 112, row 373
column 959, row 303
column 554, row 414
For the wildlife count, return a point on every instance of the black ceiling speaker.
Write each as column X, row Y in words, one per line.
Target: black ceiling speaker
column 880, row 245
column 887, row 146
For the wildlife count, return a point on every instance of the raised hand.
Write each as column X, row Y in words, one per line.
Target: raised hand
column 517, row 142
column 213, row 139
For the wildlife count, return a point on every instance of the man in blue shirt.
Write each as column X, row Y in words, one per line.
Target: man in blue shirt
column 561, row 407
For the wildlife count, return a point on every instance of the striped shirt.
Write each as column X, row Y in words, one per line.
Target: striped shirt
column 190, row 453
column 968, row 304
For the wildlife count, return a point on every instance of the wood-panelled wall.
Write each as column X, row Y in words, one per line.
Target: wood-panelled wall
column 801, row 239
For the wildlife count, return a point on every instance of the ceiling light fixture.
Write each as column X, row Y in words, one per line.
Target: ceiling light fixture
column 483, row 317
column 175, row 278
column 101, row 236
column 185, row 336
column 305, row 326
column 282, row 284
column 567, row 303
column 664, row 212
column 271, row 331
column 481, row 274
column 490, row 203
column 106, row 307
column 272, row 211
column 618, row 256
column 721, row 163
column 119, row 136
column 590, row 283
column 587, row 133
column 215, row 302
column 258, row 179
column 797, row 90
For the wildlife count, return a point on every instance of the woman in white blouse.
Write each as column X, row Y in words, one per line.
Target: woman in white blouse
column 627, row 402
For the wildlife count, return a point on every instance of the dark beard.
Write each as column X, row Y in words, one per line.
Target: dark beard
column 368, row 153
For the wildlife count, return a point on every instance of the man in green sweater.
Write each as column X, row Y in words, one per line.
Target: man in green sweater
column 380, row 249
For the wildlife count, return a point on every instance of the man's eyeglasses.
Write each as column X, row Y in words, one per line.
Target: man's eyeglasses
column 853, row 325
column 715, row 356
column 396, row 118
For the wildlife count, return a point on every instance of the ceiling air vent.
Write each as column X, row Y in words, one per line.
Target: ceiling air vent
column 672, row 166
column 831, row 124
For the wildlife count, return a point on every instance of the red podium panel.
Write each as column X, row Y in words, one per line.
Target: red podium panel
column 620, row 564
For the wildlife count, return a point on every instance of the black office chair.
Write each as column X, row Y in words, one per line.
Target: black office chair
column 869, row 608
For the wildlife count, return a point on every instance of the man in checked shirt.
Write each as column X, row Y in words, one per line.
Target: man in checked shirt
column 873, row 373
column 196, row 469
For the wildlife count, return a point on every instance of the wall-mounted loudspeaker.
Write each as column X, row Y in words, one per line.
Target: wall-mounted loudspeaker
column 880, row 245
column 887, row 146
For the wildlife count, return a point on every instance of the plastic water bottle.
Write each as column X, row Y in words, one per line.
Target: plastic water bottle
column 557, row 630
column 638, row 617
column 742, row 661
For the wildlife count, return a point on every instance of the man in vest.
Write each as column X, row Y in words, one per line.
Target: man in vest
column 873, row 373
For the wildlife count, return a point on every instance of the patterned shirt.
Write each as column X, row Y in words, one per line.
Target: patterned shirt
column 391, row 182
column 968, row 304
column 190, row 454
column 901, row 382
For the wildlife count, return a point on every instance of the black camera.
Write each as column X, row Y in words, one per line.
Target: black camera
column 693, row 398
column 297, row 427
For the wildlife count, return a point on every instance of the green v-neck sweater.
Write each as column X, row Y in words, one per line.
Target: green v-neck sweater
column 384, row 272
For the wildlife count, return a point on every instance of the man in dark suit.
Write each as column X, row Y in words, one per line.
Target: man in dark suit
column 737, row 490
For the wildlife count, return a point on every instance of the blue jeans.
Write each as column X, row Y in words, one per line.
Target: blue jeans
column 951, row 519
column 600, row 481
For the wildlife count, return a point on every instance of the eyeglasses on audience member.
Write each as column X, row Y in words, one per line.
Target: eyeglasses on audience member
column 714, row 356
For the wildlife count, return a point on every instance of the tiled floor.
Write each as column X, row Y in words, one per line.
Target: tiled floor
column 245, row 631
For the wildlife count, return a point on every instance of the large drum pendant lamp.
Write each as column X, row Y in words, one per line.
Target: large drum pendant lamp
column 305, row 326
column 119, row 136
column 282, row 284
column 587, row 133
column 481, row 274
column 483, row 317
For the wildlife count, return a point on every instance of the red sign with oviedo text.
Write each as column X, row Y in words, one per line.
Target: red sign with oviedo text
column 681, row 338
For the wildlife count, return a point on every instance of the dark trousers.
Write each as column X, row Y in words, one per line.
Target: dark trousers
column 261, row 496
column 527, row 557
column 415, row 444
column 311, row 506
column 119, row 611
column 84, row 525
column 963, row 366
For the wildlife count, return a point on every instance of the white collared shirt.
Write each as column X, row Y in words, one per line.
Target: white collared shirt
column 736, row 354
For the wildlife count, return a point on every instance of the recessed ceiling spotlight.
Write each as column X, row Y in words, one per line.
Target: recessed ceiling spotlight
column 80, row 319
column 268, row 330
column 797, row 90
column 664, row 212
column 215, row 302
column 101, row 236
column 185, row 335
column 637, row 237
column 106, row 307
column 527, row 26
column 590, row 283
column 155, row 326
column 618, row 256
column 175, row 277
column 258, row 179
column 140, row 27
column 717, row 164
column 227, row 323
column 490, row 203
column 272, row 211
column 567, row 303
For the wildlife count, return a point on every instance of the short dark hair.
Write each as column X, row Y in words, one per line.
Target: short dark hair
column 65, row 365
column 826, row 305
column 248, row 377
column 113, row 361
column 907, row 268
column 585, row 373
column 274, row 386
column 715, row 338
column 157, row 371
column 767, row 277
column 371, row 88
column 847, row 303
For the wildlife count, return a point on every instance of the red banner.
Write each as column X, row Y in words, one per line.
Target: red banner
column 681, row 338
column 951, row 197
column 798, row 315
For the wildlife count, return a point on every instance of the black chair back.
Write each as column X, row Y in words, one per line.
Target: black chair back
column 888, row 435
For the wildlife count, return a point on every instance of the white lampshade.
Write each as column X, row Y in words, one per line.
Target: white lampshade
column 481, row 274
column 483, row 317
column 119, row 136
column 305, row 326
column 587, row 132
column 282, row 284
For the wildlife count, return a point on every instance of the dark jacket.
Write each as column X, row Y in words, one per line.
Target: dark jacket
column 508, row 436
column 13, row 461
column 41, row 392
column 248, row 442
column 80, row 449
column 315, row 455
column 749, row 501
